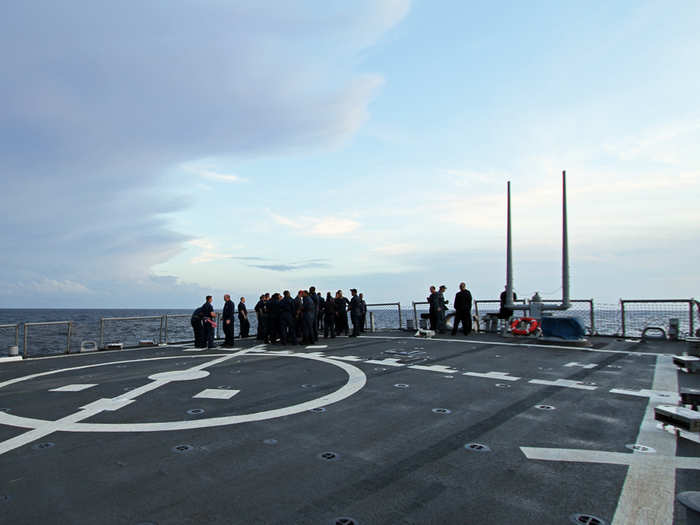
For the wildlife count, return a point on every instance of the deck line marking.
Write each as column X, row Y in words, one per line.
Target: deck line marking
column 216, row 393
column 356, row 381
column 441, row 369
column 501, row 376
column 385, row 362
column 582, row 365
column 656, row 395
column 648, row 492
column 317, row 346
column 565, row 383
column 72, row 388
column 353, row 358
column 527, row 345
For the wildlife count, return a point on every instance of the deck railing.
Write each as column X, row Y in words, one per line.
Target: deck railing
column 627, row 318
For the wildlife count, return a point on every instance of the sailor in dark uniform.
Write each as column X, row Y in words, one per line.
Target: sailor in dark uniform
column 506, row 313
column 243, row 321
column 355, row 312
column 299, row 315
column 341, row 316
column 287, row 328
column 434, row 301
column 321, row 311
column 308, row 307
column 259, row 314
column 329, row 316
column 227, row 318
column 196, row 321
column 314, row 298
column 363, row 323
column 273, row 317
column 209, row 323
column 463, row 310
column 442, row 309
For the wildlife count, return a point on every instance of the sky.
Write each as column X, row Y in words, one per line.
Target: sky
column 153, row 153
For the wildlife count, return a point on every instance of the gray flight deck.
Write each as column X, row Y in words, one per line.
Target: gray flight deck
column 384, row 429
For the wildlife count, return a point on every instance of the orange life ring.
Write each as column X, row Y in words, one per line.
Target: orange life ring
column 517, row 329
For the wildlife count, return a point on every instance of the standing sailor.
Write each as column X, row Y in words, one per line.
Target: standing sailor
column 341, row 305
column 198, row 328
column 442, row 310
column 363, row 323
column 503, row 312
column 308, row 318
column 243, row 318
column 209, row 322
column 314, row 298
column 321, row 311
column 434, row 301
column 273, row 321
column 329, row 317
column 463, row 310
column 227, row 317
column 287, row 329
column 355, row 312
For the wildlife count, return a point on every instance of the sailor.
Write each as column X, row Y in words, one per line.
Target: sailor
column 329, row 316
column 463, row 310
column 196, row 321
column 506, row 313
column 259, row 307
column 243, row 321
column 209, row 323
column 314, row 298
column 287, row 309
column 434, row 302
column 341, row 316
column 363, row 322
column 227, row 318
column 273, row 321
column 309, row 309
column 321, row 311
column 299, row 314
column 355, row 312
column 442, row 309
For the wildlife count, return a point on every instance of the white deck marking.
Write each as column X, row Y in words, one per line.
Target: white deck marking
column 216, row 393
column 574, row 363
column 71, row 388
column 442, row 369
column 565, row 383
column 648, row 492
column 356, row 381
column 501, row 376
column 352, row 358
column 385, row 362
column 317, row 346
column 526, row 345
column 655, row 395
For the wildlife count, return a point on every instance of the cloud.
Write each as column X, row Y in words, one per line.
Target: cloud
column 318, row 226
column 214, row 175
column 91, row 123
column 287, row 267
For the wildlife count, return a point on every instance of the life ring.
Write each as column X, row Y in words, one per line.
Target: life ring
column 517, row 328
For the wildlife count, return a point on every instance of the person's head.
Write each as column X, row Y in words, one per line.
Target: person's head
column 209, row 298
column 340, row 293
column 267, row 296
column 227, row 297
column 432, row 289
column 319, row 294
column 301, row 293
column 262, row 297
column 362, row 296
column 328, row 295
column 353, row 291
column 286, row 293
column 243, row 299
column 312, row 290
column 462, row 286
column 276, row 296
column 443, row 288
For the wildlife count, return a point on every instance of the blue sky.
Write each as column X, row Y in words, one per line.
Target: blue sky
column 152, row 154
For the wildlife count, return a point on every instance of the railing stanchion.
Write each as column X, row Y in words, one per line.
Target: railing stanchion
column 160, row 333
column 691, row 325
column 622, row 313
column 371, row 321
column 26, row 339
column 17, row 335
column 592, row 318
column 70, row 329
column 400, row 319
column 102, row 332
column 415, row 315
column 166, row 329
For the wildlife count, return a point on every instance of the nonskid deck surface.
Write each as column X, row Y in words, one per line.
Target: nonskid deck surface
column 387, row 428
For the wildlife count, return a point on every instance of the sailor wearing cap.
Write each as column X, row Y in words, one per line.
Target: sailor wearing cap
column 355, row 312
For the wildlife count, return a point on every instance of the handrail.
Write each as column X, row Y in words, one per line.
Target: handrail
column 397, row 304
column 16, row 327
column 689, row 302
column 135, row 318
column 46, row 323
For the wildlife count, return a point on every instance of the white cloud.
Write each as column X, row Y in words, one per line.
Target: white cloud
column 209, row 252
column 211, row 174
column 318, row 226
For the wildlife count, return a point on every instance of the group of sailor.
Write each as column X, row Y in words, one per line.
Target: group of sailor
column 282, row 318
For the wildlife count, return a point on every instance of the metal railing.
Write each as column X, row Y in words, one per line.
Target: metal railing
column 16, row 327
column 137, row 318
column 46, row 323
column 495, row 302
column 634, row 320
column 384, row 321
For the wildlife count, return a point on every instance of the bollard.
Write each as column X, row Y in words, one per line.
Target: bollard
column 691, row 501
column 14, row 350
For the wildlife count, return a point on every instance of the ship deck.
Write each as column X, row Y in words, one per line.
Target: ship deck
column 383, row 429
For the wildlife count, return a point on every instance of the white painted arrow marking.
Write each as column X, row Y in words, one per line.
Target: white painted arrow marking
column 574, row 363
